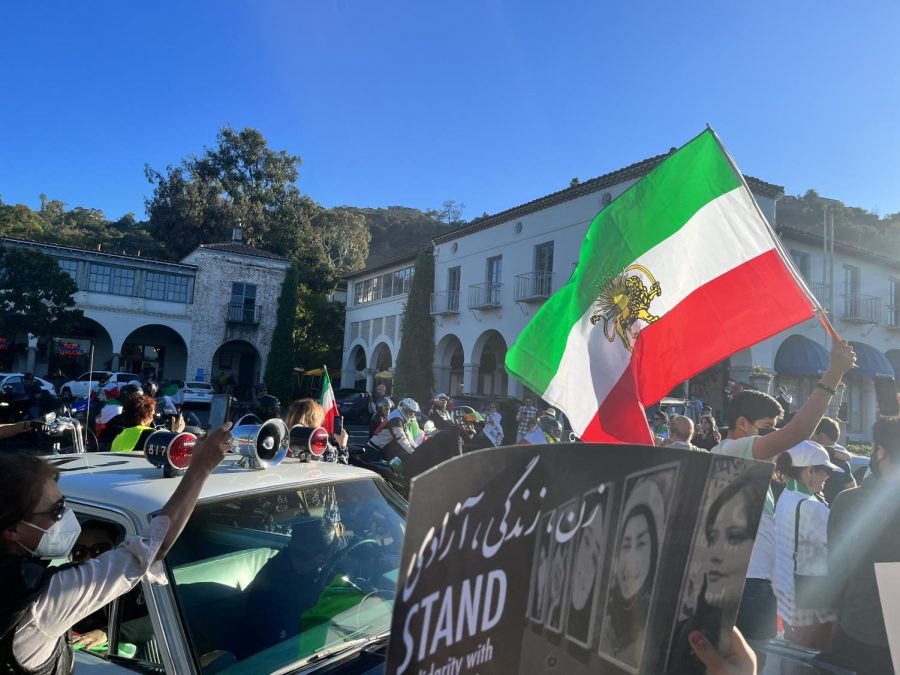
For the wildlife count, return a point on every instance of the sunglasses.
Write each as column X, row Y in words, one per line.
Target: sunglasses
column 57, row 512
column 81, row 552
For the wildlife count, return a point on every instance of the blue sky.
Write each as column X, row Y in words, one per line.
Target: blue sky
column 412, row 102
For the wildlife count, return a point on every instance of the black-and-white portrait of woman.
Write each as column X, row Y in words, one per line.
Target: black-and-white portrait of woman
column 540, row 569
column 714, row 576
column 587, row 568
column 639, row 539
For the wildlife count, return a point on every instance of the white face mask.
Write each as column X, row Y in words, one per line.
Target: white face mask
column 57, row 541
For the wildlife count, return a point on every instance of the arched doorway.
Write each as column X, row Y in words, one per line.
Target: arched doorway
column 490, row 353
column 356, row 365
column 382, row 362
column 69, row 355
column 155, row 351
column 449, row 359
column 240, row 362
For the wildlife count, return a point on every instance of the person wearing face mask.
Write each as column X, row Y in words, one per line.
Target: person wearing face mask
column 752, row 434
column 801, row 522
column 40, row 605
column 864, row 529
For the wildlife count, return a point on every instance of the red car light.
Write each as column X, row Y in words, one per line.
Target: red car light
column 318, row 442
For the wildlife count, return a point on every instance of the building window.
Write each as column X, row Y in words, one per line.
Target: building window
column 99, row 278
column 494, row 269
column 70, row 267
column 169, row 287
column 243, row 302
column 801, row 260
column 122, row 281
column 383, row 286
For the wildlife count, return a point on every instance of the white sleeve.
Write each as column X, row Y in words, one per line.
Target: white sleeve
column 813, row 538
column 80, row 590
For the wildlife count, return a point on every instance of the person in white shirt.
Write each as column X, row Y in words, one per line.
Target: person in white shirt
column 801, row 535
column 40, row 606
column 752, row 434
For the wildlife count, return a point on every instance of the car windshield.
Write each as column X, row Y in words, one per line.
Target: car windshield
column 268, row 580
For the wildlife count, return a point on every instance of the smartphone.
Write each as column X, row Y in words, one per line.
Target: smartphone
column 886, row 396
column 219, row 410
column 338, row 425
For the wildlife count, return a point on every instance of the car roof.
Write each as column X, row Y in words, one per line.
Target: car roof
column 127, row 481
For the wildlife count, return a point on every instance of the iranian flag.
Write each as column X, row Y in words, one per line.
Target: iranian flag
column 679, row 272
column 329, row 404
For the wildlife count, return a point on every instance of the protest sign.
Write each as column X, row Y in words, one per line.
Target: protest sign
column 888, row 578
column 573, row 558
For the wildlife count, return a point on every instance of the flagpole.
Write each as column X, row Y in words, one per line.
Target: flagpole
column 786, row 258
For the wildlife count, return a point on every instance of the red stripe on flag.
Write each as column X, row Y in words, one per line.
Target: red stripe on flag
column 749, row 304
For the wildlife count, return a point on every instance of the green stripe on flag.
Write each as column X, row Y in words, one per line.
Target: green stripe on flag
column 650, row 211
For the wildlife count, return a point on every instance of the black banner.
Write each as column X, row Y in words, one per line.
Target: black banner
column 573, row 558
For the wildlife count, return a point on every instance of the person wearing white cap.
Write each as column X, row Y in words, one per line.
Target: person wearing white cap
column 801, row 535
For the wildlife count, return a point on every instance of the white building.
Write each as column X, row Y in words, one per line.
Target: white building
column 213, row 311
column 376, row 299
column 492, row 275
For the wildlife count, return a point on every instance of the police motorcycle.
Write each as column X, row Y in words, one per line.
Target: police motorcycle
column 50, row 434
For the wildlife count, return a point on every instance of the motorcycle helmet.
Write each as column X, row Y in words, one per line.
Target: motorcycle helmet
column 408, row 408
column 267, row 407
column 551, row 427
column 149, row 388
column 385, row 402
column 129, row 390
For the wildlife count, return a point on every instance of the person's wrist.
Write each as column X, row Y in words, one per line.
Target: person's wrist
column 831, row 378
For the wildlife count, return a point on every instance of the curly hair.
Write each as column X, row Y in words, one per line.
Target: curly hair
column 137, row 408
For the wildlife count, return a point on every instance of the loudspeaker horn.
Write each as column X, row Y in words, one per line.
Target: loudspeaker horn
column 261, row 445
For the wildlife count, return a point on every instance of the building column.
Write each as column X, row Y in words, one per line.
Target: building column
column 114, row 365
column 370, row 379
column 470, row 378
column 442, row 379
column 348, row 377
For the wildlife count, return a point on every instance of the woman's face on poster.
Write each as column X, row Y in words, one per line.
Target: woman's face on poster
column 587, row 561
column 729, row 542
column 635, row 554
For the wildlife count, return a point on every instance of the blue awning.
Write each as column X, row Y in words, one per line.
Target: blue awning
column 870, row 362
column 801, row 356
column 893, row 357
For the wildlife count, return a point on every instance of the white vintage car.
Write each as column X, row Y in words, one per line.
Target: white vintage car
column 252, row 588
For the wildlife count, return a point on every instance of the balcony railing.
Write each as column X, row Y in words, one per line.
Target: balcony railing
column 820, row 292
column 860, row 308
column 484, row 296
column 248, row 316
column 893, row 317
column 534, row 286
column 445, row 302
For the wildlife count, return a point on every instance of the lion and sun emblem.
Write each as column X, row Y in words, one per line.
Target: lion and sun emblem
column 624, row 304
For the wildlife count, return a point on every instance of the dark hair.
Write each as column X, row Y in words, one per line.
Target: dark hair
column 753, row 405
column 784, row 465
column 886, row 433
column 647, row 512
column 137, row 408
column 744, row 486
column 110, row 529
column 22, row 480
column 830, row 428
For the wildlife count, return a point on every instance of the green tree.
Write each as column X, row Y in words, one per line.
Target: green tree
column 280, row 364
column 239, row 181
column 319, row 330
column 36, row 296
column 413, row 375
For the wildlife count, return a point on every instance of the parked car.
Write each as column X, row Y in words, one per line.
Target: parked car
column 79, row 387
column 232, row 553
column 859, row 465
column 354, row 405
column 197, row 392
column 14, row 401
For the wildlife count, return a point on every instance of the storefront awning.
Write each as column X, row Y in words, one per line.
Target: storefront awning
column 801, row 357
column 870, row 362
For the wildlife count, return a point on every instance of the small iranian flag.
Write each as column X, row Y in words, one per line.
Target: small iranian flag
column 329, row 404
column 678, row 273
